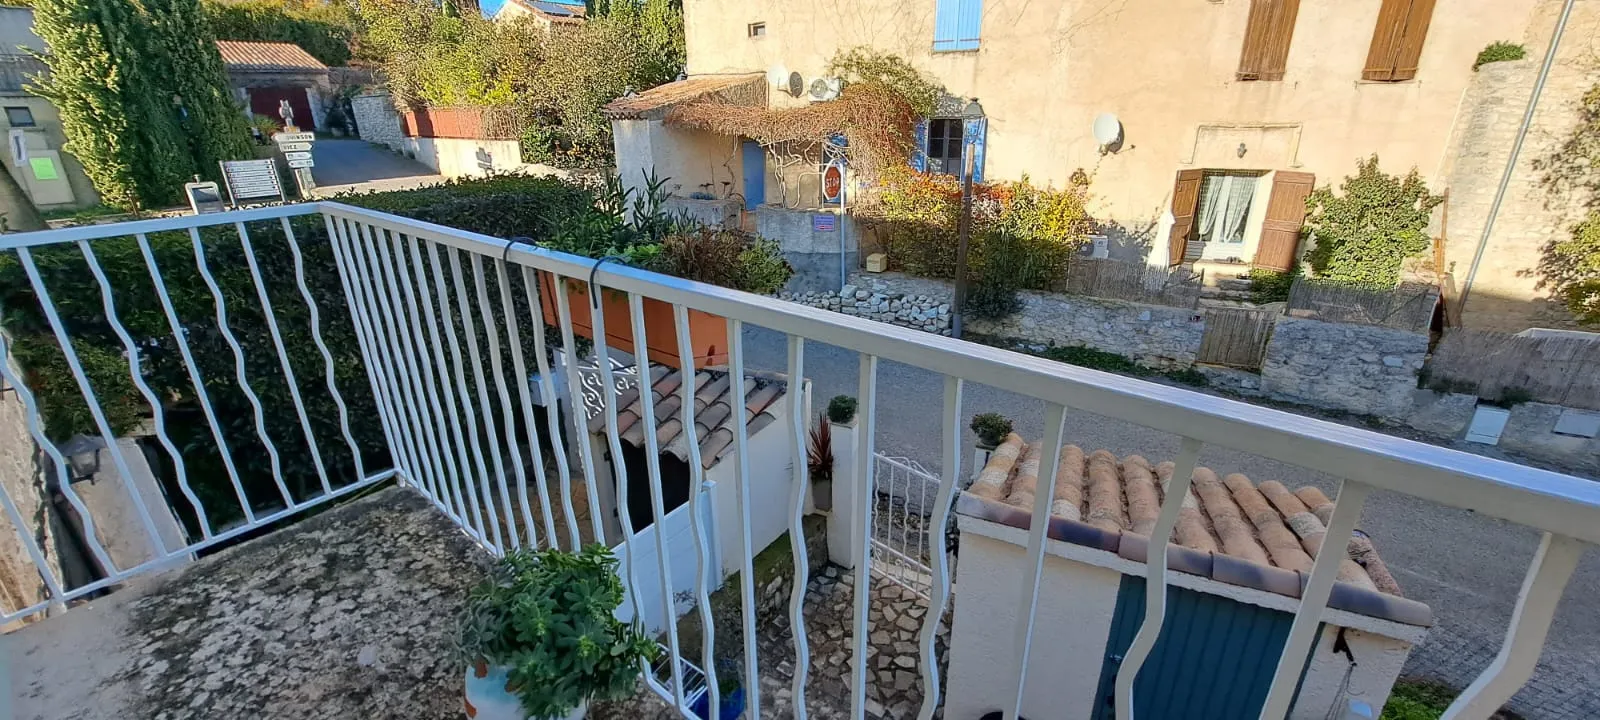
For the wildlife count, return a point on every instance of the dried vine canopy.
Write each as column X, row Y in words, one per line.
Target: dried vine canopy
column 875, row 120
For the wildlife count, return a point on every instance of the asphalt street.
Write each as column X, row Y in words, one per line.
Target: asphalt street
column 1468, row 567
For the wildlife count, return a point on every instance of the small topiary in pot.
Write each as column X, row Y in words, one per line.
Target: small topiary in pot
column 540, row 640
column 992, row 429
column 841, row 409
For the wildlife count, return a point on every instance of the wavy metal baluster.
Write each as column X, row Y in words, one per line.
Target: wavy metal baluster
column 866, row 432
column 158, row 411
column 547, row 390
column 180, row 336
column 524, row 391
column 238, row 366
column 492, row 433
column 652, row 463
column 1155, row 594
column 45, row 303
column 581, row 436
column 747, row 572
column 447, row 426
column 797, row 533
column 697, row 479
column 468, row 421
column 507, row 414
column 939, row 601
column 283, row 354
column 322, row 345
column 1055, row 423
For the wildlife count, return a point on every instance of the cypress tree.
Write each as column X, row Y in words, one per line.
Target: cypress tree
column 184, row 46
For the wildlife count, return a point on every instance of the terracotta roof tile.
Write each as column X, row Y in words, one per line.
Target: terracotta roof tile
column 742, row 89
column 267, row 57
column 1264, row 525
column 713, row 411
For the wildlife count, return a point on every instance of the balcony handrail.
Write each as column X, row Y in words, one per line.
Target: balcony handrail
column 1537, row 498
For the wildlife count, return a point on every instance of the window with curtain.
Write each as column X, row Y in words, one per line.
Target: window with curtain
column 1224, row 207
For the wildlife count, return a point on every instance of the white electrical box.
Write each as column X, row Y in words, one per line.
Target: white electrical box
column 1487, row 425
column 1578, row 423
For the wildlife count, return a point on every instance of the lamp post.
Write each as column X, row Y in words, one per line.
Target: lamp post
column 972, row 113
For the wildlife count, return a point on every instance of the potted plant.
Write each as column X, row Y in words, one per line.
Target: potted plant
column 819, row 464
column 540, row 639
column 842, row 409
column 730, row 695
column 991, row 428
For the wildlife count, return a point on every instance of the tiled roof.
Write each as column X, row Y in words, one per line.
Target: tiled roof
column 713, row 411
column 743, row 89
column 1230, row 529
column 560, row 10
column 267, row 57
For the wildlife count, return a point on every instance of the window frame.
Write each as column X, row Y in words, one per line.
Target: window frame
column 756, row 30
column 11, row 119
column 939, row 129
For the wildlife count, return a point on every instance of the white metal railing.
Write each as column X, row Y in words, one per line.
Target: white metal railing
column 902, row 540
column 416, row 292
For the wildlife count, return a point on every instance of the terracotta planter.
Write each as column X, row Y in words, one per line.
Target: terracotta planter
column 487, row 697
column 708, row 334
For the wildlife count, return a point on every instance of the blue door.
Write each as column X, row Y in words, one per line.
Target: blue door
column 1214, row 660
column 754, row 160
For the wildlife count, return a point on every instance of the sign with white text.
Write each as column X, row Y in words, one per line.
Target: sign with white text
column 298, row 164
column 288, row 137
column 297, row 155
column 294, row 146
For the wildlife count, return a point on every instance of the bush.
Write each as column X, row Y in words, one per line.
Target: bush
column 1499, row 51
column 730, row 258
column 1571, row 267
column 547, row 616
column 842, row 409
column 1270, row 286
column 1413, row 700
column 991, row 428
column 324, row 30
column 1366, row 231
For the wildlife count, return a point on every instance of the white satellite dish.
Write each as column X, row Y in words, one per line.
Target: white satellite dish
column 1107, row 129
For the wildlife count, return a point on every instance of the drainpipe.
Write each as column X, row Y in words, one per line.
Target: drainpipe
column 1516, row 150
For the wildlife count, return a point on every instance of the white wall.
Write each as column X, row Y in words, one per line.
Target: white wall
column 684, row 159
column 771, row 476
column 1378, row 661
column 454, row 157
column 682, row 550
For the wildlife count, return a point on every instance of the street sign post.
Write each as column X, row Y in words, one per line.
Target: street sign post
column 288, row 137
column 298, row 164
column 294, row 146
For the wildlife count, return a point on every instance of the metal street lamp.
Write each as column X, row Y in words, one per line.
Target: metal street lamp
column 972, row 113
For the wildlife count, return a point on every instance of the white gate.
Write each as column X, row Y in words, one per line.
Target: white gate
column 903, row 496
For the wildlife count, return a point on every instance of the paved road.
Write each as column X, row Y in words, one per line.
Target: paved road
column 356, row 165
column 1466, row 566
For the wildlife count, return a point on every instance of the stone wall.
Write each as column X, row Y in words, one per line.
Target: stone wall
column 813, row 253
column 710, row 213
column 1505, row 294
column 1152, row 335
column 1530, row 431
column 377, row 121
column 1357, row 368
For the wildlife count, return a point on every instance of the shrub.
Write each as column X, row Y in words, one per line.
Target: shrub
column 991, row 428
column 324, row 30
column 1270, row 286
column 1093, row 358
column 729, row 258
column 1499, row 51
column 842, row 409
column 1365, row 231
column 863, row 64
column 1412, row 700
column 547, row 617
column 1571, row 267
column 819, row 451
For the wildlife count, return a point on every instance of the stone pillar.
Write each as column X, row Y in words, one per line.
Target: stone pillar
column 844, row 522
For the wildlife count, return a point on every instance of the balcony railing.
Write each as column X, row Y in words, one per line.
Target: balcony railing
column 412, row 294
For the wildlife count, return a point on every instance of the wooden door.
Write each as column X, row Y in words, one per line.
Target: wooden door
column 1236, row 337
column 1185, row 200
column 1286, row 212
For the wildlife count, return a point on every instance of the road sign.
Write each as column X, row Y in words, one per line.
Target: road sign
column 287, row 137
column 832, row 183
column 297, row 155
column 294, row 146
column 297, row 164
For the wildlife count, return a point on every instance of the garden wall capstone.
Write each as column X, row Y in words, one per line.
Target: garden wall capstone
column 1357, row 368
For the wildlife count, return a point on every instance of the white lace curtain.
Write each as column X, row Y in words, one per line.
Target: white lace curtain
column 1224, row 206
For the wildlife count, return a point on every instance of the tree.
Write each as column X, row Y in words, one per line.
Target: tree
column 186, row 51
column 1365, row 231
column 326, row 30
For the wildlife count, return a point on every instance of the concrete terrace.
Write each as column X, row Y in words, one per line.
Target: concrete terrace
column 349, row 614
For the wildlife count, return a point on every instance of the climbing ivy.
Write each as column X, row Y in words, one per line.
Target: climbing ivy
column 864, row 64
column 1370, row 226
column 186, row 51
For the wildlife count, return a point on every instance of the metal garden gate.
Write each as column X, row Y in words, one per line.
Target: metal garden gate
column 903, row 493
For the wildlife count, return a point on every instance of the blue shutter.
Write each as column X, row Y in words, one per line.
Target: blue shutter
column 968, row 22
column 946, row 24
column 974, row 133
column 919, row 151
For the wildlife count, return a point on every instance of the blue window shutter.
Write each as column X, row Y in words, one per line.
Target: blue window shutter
column 976, row 132
column 968, row 24
column 946, row 24
column 919, row 152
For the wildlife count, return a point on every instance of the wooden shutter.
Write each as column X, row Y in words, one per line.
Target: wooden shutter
column 1185, row 200
column 1397, row 40
column 1266, row 39
column 956, row 25
column 1286, row 213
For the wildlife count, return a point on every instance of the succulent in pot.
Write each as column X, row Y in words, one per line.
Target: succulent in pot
column 540, row 638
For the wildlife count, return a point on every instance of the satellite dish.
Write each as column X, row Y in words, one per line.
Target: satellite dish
column 826, row 88
column 797, row 84
column 1107, row 129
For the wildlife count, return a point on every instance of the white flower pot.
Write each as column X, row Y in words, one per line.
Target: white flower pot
column 488, row 699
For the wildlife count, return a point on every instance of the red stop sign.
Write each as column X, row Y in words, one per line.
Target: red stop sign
column 832, row 183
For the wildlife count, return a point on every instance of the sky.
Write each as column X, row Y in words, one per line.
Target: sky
column 490, row 7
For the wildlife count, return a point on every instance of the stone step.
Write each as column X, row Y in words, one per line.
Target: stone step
column 1219, row 293
column 1234, row 284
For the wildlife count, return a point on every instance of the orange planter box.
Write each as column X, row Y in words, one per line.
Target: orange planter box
column 708, row 334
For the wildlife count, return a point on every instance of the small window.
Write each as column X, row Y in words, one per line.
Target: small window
column 20, row 117
column 756, row 30
column 944, row 146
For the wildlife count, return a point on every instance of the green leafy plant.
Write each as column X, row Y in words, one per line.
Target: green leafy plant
column 1270, row 286
column 1413, row 700
column 1365, row 231
column 819, row 450
column 991, row 428
column 1571, row 266
column 547, row 617
column 842, row 409
column 325, row 30
column 862, row 64
column 1499, row 51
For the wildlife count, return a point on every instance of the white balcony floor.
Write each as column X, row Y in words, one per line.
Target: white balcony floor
column 349, row 614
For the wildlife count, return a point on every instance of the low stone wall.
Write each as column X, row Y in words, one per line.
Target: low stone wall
column 1357, row 368
column 1152, row 335
column 377, row 121
column 1530, row 431
column 918, row 312
column 813, row 253
column 710, row 213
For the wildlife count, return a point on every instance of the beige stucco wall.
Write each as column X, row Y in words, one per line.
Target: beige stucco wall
column 47, row 134
column 1045, row 70
column 1505, row 293
column 683, row 159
